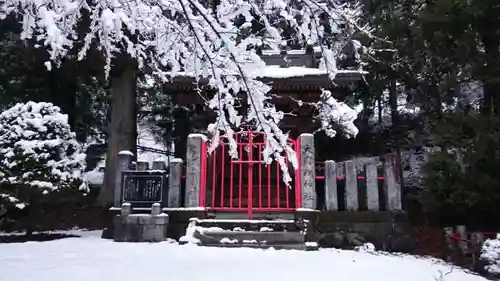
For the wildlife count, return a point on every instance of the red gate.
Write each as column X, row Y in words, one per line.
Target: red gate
column 247, row 183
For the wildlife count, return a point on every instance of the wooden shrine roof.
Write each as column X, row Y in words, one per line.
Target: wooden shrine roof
column 293, row 71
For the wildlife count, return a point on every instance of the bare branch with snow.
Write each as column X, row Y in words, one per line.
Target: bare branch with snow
column 217, row 44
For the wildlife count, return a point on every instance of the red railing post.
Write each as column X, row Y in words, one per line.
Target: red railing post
column 259, row 148
column 203, row 174
column 222, row 180
column 250, row 176
column 214, row 176
column 298, row 180
column 240, row 176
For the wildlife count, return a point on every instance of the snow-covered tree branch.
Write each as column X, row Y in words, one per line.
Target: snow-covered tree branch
column 215, row 42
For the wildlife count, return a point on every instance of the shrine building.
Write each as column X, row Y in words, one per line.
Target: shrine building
column 247, row 183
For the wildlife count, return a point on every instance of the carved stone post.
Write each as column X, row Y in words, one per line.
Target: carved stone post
column 392, row 184
column 155, row 209
column 124, row 162
column 308, row 172
column 142, row 166
column 351, row 186
column 174, row 183
column 331, row 196
column 193, row 170
column 372, row 185
column 159, row 165
column 462, row 233
column 126, row 209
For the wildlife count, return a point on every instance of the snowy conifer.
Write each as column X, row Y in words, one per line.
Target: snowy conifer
column 37, row 150
column 490, row 253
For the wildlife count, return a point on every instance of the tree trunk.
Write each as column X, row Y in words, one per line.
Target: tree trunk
column 393, row 103
column 397, row 133
column 491, row 42
column 123, row 125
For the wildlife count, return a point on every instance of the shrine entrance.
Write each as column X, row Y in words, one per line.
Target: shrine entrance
column 247, row 184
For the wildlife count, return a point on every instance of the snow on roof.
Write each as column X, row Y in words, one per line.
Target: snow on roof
column 277, row 72
column 316, row 49
column 274, row 71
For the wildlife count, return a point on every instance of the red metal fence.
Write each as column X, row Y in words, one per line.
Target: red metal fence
column 247, row 183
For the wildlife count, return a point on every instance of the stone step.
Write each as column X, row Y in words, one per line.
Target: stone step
column 259, row 237
column 257, row 215
column 251, row 225
column 278, row 234
column 298, row 246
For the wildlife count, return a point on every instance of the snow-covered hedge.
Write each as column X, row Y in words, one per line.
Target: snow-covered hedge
column 490, row 253
column 38, row 149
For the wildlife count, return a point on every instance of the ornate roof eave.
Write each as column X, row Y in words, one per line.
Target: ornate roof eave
column 296, row 83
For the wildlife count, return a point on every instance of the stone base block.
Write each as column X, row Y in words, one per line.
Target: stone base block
column 140, row 228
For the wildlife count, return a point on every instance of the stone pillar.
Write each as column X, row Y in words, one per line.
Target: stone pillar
column 142, row 166
column 372, row 185
column 193, row 170
column 124, row 162
column 174, row 183
column 159, row 165
column 331, row 196
column 392, row 184
column 462, row 233
column 308, row 172
column 351, row 186
column 156, row 209
column 126, row 209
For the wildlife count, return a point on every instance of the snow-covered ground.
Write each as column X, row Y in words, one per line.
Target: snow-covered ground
column 91, row 258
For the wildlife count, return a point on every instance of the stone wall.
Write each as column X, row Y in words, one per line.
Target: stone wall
column 388, row 231
column 359, row 185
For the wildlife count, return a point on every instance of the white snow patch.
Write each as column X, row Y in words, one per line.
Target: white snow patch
column 306, row 210
column 20, row 205
column 275, row 71
column 490, row 252
column 186, row 209
column 226, row 240
column 126, row 152
column 366, row 248
column 202, row 136
column 48, row 65
column 253, row 241
column 212, row 229
column 242, row 221
column 189, row 236
column 266, row 229
column 311, row 244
